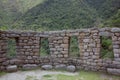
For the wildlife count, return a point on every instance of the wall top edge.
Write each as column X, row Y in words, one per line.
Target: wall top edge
column 61, row 31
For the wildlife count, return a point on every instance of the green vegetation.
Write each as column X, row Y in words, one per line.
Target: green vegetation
column 31, row 78
column 74, row 50
column 69, row 14
column 11, row 10
column 41, row 15
column 59, row 14
column 44, row 49
column 83, row 75
column 11, row 52
column 114, row 20
column 47, row 76
column 106, row 48
column 26, row 5
column 2, row 73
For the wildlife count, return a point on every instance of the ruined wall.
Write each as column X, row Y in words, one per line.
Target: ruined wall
column 28, row 48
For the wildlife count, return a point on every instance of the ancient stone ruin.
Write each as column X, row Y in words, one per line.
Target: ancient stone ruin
column 89, row 43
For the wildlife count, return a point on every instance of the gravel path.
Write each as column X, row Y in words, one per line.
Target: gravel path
column 21, row 75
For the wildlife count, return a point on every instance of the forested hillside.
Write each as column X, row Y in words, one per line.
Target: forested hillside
column 45, row 15
column 59, row 14
column 11, row 10
column 109, row 10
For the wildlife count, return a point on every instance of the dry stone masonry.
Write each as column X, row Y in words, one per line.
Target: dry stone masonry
column 28, row 50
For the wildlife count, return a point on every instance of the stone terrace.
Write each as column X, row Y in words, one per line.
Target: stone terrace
column 28, row 48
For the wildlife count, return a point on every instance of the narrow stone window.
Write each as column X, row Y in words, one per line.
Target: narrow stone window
column 73, row 47
column 11, row 48
column 44, row 47
column 106, row 47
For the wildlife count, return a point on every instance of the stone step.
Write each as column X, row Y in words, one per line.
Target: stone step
column 113, row 71
column 12, row 68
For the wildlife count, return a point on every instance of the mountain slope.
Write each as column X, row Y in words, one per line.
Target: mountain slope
column 69, row 14
column 60, row 14
column 10, row 10
column 106, row 8
column 114, row 21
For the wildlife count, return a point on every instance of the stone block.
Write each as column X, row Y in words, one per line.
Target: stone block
column 116, row 51
column 47, row 67
column 86, row 54
column 71, row 68
column 113, row 71
column 27, row 47
column 65, row 55
column 60, row 66
column 65, row 41
column 116, row 56
column 116, row 46
column 115, row 30
column 86, row 40
column 64, row 45
column 85, row 46
column 105, row 34
column 60, row 56
column 11, row 68
column 29, row 66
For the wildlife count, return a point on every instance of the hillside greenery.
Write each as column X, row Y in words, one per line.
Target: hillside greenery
column 70, row 14
column 58, row 14
column 11, row 10
column 48, row 15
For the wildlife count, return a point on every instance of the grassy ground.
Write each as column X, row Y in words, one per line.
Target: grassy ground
column 83, row 75
column 2, row 73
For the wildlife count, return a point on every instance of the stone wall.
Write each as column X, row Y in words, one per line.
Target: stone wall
column 28, row 48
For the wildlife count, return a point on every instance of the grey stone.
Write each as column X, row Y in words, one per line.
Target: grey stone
column 105, row 34
column 86, row 40
column 115, row 30
column 102, row 29
column 86, row 54
column 29, row 57
column 11, row 68
column 47, row 67
column 116, row 46
column 15, row 61
column 71, row 68
column 26, row 46
column 60, row 66
column 116, row 51
column 5, row 63
column 30, row 66
column 116, row 55
column 92, row 44
column 113, row 71
column 85, row 46
column 116, row 62
column 117, row 59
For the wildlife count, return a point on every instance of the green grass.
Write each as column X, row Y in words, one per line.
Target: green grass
column 2, row 73
column 44, row 49
column 28, row 4
column 74, row 50
column 11, row 49
column 31, row 78
column 83, row 75
column 106, row 49
column 47, row 76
